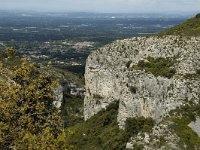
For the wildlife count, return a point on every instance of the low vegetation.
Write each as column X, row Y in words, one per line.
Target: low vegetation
column 28, row 120
column 182, row 117
column 71, row 77
column 140, row 124
column 157, row 66
column 100, row 132
column 194, row 76
column 190, row 27
column 72, row 110
column 188, row 138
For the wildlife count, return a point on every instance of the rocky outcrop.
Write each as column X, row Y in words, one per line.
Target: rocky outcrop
column 110, row 76
column 161, row 138
column 58, row 96
column 65, row 87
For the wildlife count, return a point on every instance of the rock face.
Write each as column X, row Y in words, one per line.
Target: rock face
column 58, row 96
column 108, row 77
column 153, row 141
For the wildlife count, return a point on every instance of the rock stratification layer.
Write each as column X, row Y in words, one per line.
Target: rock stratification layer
column 112, row 74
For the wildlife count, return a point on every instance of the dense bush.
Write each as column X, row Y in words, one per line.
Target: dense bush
column 157, row 66
column 101, row 132
column 189, row 111
column 188, row 138
column 135, row 125
column 28, row 120
column 193, row 76
column 72, row 110
column 182, row 117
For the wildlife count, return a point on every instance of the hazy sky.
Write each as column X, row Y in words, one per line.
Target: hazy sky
column 103, row 5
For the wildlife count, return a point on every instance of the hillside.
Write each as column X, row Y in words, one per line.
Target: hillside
column 190, row 27
column 142, row 93
column 151, row 77
column 156, row 83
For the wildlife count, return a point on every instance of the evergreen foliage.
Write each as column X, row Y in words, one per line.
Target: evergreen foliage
column 157, row 66
column 28, row 120
column 135, row 125
column 181, row 117
column 101, row 132
column 72, row 110
column 188, row 138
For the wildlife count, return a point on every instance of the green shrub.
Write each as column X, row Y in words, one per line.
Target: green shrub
column 157, row 66
column 143, row 64
column 189, row 111
column 182, row 117
column 72, row 110
column 100, row 132
column 28, row 119
column 138, row 147
column 97, row 96
column 187, row 136
column 195, row 76
column 135, row 125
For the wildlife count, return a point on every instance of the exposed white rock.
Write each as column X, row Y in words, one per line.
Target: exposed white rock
column 108, row 79
column 129, row 145
column 161, row 138
column 195, row 126
column 58, row 96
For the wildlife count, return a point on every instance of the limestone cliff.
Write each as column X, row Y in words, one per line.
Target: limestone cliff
column 58, row 96
column 113, row 74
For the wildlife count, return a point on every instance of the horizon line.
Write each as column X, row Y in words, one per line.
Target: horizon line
column 98, row 12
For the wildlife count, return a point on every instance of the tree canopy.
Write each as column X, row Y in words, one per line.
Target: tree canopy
column 28, row 118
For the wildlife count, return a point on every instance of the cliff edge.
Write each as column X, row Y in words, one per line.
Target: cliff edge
column 149, row 76
column 157, row 78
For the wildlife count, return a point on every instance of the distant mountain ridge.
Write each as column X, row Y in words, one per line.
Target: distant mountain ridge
column 191, row 27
